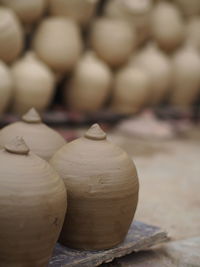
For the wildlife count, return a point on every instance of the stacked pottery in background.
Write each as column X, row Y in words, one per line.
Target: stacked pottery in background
column 32, row 208
column 40, row 138
column 102, row 186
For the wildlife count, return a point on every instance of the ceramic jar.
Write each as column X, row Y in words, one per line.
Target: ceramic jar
column 135, row 12
column 79, row 10
column 58, row 43
column 113, row 40
column 167, row 25
column 34, row 84
column 102, row 186
column 193, row 32
column 186, row 77
column 27, row 11
column 158, row 66
column 32, row 207
column 11, row 35
column 6, row 86
column 90, row 84
column 41, row 139
column 131, row 90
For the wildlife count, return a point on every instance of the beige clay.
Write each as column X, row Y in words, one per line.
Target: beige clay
column 32, row 207
column 41, row 139
column 102, row 185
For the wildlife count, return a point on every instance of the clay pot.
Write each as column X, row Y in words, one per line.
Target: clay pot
column 193, row 32
column 167, row 25
column 158, row 66
column 11, row 35
column 79, row 10
column 135, row 12
column 186, row 77
column 33, row 206
column 189, row 8
column 41, row 139
column 90, row 84
column 27, row 11
column 102, row 188
column 34, row 84
column 6, row 86
column 113, row 40
column 58, row 43
column 131, row 91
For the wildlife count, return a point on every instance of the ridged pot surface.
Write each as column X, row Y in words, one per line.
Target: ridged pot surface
column 102, row 188
column 32, row 207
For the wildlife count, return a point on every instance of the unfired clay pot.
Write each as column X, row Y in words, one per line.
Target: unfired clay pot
column 79, row 10
column 136, row 12
column 189, row 8
column 41, row 139
column 102, row 186
column 28, row 11
column 158, row 66
column 90, row 84
column 167, row 25
column 34, row 84
column 113, row 40
column 6, row 86
column 132, row 89
column 193, row 31
column 32, row 207
column 11, row 35
column 58, row 43
column 186, row 76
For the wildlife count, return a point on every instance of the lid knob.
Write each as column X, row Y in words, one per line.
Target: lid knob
column 32, row 116
column 17, row 146
column 95, row 133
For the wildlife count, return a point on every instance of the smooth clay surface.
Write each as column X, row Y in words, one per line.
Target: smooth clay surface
column 32, row 207
column 102, row 187
column 41, row 139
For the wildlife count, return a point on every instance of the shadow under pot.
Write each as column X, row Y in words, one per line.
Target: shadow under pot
column 102, row 185
column 32, row 207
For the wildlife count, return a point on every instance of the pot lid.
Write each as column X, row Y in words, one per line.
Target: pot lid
column 95, row 133
column 17, row 146
column 32, row 116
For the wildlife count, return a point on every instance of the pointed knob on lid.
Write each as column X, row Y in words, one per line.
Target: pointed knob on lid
column 95, row 133
column 17, row 146
column 32, row 116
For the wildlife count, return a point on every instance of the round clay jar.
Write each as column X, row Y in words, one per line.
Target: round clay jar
column 102, row 185
column 11, row 35
column 34, row 84
column 41, row 139
column 6, row 86
column 113, row 40
column 28, row 11
column 90, row 85
column 32, row 207
column 58, row 43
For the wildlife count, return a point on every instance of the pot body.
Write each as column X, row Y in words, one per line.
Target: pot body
column 34, row 84
column 6, row 86
column 28, row 11
column 186, row 77
column 41, row 139
column 32, row 210
column 11, row 35
column 79, row 10
column 90, row 85
column 102, row 192
column 167, row 26
column 131, row 91
column 193, row 32
column 58, row 43
column 106, row 33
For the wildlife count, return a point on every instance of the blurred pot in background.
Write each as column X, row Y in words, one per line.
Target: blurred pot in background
column 90, row 84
